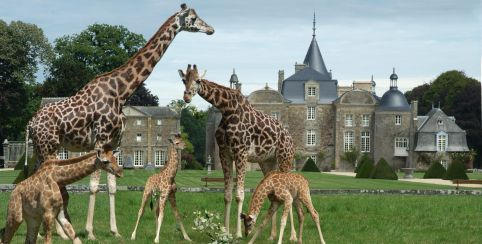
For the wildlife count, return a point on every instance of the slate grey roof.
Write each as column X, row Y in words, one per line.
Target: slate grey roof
column 156, row 111
column 294, row 86
column 429, row 126
column 393, row 100
column 314, row 60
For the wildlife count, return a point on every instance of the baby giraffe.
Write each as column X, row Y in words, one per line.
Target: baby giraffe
column 163, row 183
column 281, row 188
column 38, row 199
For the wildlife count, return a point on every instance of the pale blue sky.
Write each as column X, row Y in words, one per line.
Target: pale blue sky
column 357, row 38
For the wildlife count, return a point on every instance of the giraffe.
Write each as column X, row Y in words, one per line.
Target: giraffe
column 38, row 199
column 244, row 135
column 281, row 188
column 96, row 109
column 163, row 183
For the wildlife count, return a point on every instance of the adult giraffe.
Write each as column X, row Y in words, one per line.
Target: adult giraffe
column 93, row 116
column 244, row 135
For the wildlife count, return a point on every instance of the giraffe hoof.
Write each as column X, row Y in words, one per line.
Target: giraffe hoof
column 91, row 237
column 77, row 241
column 271, row 238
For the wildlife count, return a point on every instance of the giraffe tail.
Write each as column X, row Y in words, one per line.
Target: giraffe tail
column 25, row 166
column 2, row 232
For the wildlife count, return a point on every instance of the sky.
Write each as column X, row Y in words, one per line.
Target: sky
column 357, row 39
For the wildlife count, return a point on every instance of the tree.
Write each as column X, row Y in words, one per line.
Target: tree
column 351, row 156
column 23, row 47
column 98, row 49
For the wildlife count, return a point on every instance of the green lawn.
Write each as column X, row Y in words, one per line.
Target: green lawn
column 191, row 178
column 344, row 218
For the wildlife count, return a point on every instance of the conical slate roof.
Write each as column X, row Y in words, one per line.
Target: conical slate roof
column 314, row 59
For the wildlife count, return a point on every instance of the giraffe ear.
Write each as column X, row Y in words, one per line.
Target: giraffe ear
column 242, row 216
column 181, row 73
column 183, row 6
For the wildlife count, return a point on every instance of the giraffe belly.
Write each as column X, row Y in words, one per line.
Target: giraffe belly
column 259, row 154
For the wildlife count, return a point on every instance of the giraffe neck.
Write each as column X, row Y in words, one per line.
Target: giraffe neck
column 257, row 200
column 172, row 162
column 225, row 99
column 70, row 173
column 131, row 75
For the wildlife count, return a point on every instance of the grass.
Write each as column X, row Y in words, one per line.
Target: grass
column 344, row 219
column 191, row 178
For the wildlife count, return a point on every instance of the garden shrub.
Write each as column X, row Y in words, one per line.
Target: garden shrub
column 435, row 171
column 310, row 166
column 383, row 171
column 364, row 158
column 455, row 171
column 31, row 165
column 365, row 169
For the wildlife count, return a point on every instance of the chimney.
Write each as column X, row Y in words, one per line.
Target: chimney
column 299, row 67
column 281, row 78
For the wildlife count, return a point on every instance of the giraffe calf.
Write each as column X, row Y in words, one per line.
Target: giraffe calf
column 163, row 182
column 38, row 199
column 281, row 188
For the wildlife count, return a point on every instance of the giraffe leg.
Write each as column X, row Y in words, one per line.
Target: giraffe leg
column 160, row 216
column 33, row 226
column 301, row 219
column 48, row 221
column 272, row 209
column 288, row 202
column 172, row 200
column 228, row 189
column 240, row 174
column 58, row 225
column 293, row 231
column 14, row 219
column 94, row 188
column 147, row 194
column 306, row 199
column 272, row 235
column 67, row 227
column 112, row 186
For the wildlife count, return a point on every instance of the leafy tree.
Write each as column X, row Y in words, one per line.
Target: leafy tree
column 23, row 48
column 98, row 49
column 194, row 123
column 351, row 156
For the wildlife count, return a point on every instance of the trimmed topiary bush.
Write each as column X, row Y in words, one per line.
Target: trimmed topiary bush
column 310, row 166
column 455, row 171
column 435, row 171
column 383, row 171
column 366, row 168
column 364, row 158
column 31, row 165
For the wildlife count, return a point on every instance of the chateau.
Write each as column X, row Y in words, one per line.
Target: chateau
column 326, row 119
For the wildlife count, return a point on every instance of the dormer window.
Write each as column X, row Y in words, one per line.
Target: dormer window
column 440, row 122
column 138, row 122
column 442, row 141
column 311, row 91
column 159, row 122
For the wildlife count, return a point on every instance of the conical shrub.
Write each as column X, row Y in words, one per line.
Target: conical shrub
column 310, row 166
column 435, row 171
column 365, row 169
column 383, row 171
column 455, row 171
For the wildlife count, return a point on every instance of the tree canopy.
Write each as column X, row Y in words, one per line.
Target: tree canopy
column 98, row 49
column 23, row 48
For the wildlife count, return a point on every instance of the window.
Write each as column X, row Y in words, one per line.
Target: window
column 348, row 141
column 159, row 122
column 401, row 142
column 138, row 122
column 160, row 158
column 158, row 137
column 139, row 137
column 275, row 115
column 398, row 119
column 311, row 113
column 311, row 91
column 138, row 158
column 310, row 138
column 313, row 157
column 120, row 158
column 349, row 120
column 442, row 141
column 63, row 154
column 443, row 162
column 366, row 120
column 365, row 141
column 440, row 122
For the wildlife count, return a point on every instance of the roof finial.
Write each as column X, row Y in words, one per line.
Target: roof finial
column 234, row 71
column 314, row 24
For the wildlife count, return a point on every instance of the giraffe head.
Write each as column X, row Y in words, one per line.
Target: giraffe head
column 191, row 81
column 106, row 160
column 177, row 142
column 249, row 222
column 188, row 20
